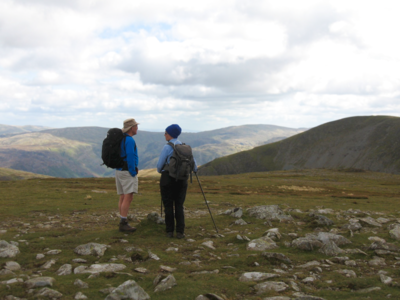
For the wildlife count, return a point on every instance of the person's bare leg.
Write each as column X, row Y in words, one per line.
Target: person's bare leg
column 123, row 205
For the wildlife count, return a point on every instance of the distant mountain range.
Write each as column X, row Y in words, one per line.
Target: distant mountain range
column 367, row 143
column 9, row 130
column 76, row 151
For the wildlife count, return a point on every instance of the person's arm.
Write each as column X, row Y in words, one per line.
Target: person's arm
column 131, row 156
column 162, row 160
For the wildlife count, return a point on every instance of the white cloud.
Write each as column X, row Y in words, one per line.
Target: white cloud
column 204, row 64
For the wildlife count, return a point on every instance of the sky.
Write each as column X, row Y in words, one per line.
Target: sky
column 200, row 64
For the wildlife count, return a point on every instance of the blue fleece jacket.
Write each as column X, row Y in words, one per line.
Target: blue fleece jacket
column 130, row 151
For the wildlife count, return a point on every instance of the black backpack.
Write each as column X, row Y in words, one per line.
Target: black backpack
column 181, row 163
column 111, row 150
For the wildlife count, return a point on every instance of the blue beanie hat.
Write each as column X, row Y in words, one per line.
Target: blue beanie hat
column 173, row 130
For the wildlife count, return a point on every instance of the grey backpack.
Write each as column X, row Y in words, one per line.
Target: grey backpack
column 181, row 163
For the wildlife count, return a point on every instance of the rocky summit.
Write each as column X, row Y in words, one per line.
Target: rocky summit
column 304, row 235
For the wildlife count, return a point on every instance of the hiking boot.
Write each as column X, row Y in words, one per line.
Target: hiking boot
column 180, row 235
column 124, row 227
column 170, row 234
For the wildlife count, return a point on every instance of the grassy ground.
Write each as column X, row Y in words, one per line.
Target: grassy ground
column 46, row 214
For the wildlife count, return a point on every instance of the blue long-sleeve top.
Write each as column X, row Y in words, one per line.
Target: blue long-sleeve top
column 130, row 151
column 166, row 154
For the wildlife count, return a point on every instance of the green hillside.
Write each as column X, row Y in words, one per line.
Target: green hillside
column 76, row 151
column 368, row 143
column 9, row 174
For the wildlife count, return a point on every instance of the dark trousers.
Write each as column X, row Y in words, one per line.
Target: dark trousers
column 173, row 194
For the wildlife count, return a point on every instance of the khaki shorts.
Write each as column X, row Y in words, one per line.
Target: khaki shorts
column 126, row 184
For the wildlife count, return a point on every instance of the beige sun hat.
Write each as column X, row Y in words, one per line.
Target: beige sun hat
column 128, row 124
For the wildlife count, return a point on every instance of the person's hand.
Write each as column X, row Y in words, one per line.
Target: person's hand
column 137, row 170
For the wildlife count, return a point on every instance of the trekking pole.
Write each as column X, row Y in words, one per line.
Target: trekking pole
column 206, row 202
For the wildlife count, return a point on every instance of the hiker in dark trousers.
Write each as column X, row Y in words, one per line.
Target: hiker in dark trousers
column 126, row 178
column 173, row 192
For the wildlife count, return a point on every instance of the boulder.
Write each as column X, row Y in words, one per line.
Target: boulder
column 276, row 286
column 8, row 250
column 269, row 212
column 276, row 257
column 39, row 282
column 155, row 217
column 128, row 290
column 99, row 268
column 261, row 244
column 64, row 270
column 256, row 276
column 165, row 284
column 48, row 293
column 307, row 243
column 91, row 249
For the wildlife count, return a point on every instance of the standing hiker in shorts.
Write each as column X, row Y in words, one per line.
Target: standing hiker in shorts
column 173, row 192
column 126, row 178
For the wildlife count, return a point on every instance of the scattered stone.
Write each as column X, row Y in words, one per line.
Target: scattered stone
column 209, row 244
column 12, row 281
column 12, row 266
column 309, row 243
column 153, row 256
column 352, row 226
column 128, row 290
column 395, row 232
column 40, row 256
column 141, row 270
column 330, row 248
column 91, row 249
column 165, row 284
column 376, row 239
column 338, row 239
column 369, row 290
column 272, row 256
column 347, row 273
column 261, row 244
column 79, row 260
column 80, row 296
column 256, row 276
column 154, row 217
column 48, row 264
column 39, row 282
column 81, row 284
column 236, row 212
column 167, row 269
column 273, row 233
column 308, row 280
column 242, row 238
column 99, row 268
column 240, row 222
column 276, row 286
column 48, row 293
column 64, row 270
column 368, row 221
column 377, row 262
column 385, row 279
column 8, row 250
column 278, row 298
column 205, row 272
column 171, row 249
column 269, row 212
column 310, row 264
column 321, row 220
column 6, row 272
column 53, row 252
